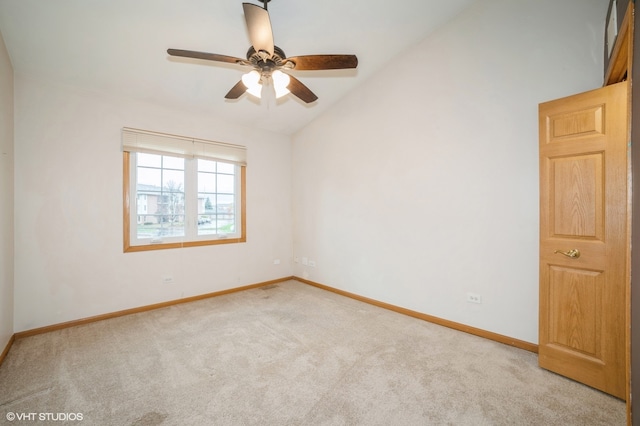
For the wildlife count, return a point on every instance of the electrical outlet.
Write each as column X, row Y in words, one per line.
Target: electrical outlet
column 305, row 261
column 167, row 279
column 276, row 261
column 474, row 298
column 312, row 263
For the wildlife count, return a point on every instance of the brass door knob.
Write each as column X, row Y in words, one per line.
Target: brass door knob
column 573, row 253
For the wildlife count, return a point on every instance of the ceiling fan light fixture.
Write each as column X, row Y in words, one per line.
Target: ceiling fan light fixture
column 280, row 83
column 252, row 81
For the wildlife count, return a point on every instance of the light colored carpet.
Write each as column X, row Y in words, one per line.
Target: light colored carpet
column 288, row 354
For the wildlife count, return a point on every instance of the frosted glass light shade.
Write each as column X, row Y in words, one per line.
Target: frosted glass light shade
column 252, row 81
column 280, row 83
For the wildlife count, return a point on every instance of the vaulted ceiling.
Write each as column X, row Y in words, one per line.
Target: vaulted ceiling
column 119, row 47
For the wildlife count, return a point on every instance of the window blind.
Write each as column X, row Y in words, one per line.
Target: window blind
column 136, row 140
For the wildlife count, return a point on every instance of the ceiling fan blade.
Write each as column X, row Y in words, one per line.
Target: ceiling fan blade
column 206, row 56
column 259, row 26
column 323, row 62
column 300, row 90
column 236, row 91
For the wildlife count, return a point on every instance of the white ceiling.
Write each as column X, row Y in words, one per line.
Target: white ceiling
column 119, row 46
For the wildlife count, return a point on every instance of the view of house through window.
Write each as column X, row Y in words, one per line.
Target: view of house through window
column 178, row 198
column 216, row 197
column 160, row 196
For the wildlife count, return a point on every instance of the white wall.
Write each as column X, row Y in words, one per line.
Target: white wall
column 422, row 185
column 6, row 197
column 68, row 222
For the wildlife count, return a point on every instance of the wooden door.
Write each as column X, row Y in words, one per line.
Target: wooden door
column 584, row 237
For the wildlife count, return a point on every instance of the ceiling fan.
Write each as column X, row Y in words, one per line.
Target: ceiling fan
column 268, row 60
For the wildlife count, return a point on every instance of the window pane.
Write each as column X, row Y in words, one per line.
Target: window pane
column 205, row 204
column 226, row 168
column 162, row 227
column 225, row 214
column 151, row 177
column 225, row 204
column 226, row 225
column 160, row 197
column 171, row 206
column 206, row 224
column 226, row 184
column 170, row 215
column 206, row 166
column 206, row 182
column 173, row 162
column 149, row 160
column 173, row 180
column 216, row 200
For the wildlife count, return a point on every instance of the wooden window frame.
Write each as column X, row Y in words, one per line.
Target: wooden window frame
column 128, row 247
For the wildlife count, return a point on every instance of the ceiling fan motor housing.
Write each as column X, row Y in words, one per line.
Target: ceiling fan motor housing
column 266, row 66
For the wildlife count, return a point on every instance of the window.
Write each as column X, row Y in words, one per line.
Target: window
column 185, row 192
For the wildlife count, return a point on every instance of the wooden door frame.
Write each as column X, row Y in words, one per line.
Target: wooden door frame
column 619, row 68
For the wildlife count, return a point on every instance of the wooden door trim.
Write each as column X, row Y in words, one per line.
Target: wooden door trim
column 621, row 60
